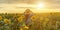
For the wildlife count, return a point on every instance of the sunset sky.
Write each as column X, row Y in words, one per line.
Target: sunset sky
column 37, row 6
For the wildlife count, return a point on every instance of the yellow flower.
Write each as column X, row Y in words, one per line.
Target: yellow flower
column 7, row 21
column 46, row 19
column 33, row 17
column 21, row 29
column 0, row 17
column 41, row 18
column 21, row 18
column 26, row 27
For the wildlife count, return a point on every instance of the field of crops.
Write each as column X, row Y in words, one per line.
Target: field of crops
column 39, row 21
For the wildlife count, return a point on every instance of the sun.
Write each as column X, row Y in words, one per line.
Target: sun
column 40, row 6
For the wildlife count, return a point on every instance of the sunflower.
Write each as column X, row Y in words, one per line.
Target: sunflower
column 41, row 19
column 33, row 17
column 46, row 19
column 0, row 17
column 21, row 29
column 7, row 21
column 26, row 27
column 21, row 18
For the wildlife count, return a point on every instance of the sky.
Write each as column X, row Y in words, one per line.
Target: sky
column 36, row 6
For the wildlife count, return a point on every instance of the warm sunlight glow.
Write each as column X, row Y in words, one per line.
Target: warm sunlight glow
column 40, row 5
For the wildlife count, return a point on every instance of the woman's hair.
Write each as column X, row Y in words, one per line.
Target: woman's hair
column 27, row 10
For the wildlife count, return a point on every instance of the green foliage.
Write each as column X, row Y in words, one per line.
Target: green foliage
column 43, row 21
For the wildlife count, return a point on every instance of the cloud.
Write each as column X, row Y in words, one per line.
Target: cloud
column 15, row 6
column 17, row 1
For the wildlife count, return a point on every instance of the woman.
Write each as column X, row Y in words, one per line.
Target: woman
column 28, row 15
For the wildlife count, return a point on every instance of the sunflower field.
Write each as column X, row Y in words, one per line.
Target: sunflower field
column 39, row 21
